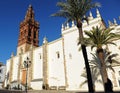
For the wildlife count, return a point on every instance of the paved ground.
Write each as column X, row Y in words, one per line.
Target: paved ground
column 46, row 91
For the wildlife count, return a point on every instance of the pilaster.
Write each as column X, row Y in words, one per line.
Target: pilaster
column 65, row 67
column 31, row 66
column 45, row 64
column 19, row 67
column 11, row 69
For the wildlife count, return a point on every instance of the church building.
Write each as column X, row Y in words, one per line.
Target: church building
column 57, row 64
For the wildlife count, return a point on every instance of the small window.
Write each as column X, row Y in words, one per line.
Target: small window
column 34, row 34
column 40, row 56
column 29, row 39
column 34, row 41
column 70, row 56
column 58, row 54
column 29, row 33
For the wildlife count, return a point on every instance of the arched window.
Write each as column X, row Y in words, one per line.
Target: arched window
column 29, row 33
column 58, row 54
column 40, row 56
column 34, row 34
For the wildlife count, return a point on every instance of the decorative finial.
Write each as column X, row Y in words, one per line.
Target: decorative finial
column 110, row 23
column 45, row 40
column 98, row 13
column 62, row 27
column 115, row 22
column 84, row 18
column 30, row 13
column 12, row 54
column 30, row 6
column 73, row 24
column 90, row 16
column 67, row 25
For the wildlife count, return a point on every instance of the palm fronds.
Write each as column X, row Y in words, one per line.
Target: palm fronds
column 98, row 37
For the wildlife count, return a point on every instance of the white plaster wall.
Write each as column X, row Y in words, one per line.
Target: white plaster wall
column 37, row 85
column 117, row 75
column 15, row 68
column 38, row 63
column 8, row 65
column 75, row 64
column 74, row 60
column 2, row 74
column 115, row 48
column 56, row 65
column 7, row 72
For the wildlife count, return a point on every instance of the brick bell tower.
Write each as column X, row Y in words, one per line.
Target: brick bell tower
column 28, row 33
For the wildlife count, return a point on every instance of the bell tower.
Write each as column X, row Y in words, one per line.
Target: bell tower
column 28, row 33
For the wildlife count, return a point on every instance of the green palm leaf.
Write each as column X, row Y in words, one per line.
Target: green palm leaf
column 98, row 37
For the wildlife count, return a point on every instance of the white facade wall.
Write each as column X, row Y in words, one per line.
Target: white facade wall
column 56, row 74
column 15, row 68
column 37, row 80
column 2, row 75
column 38, row 63
column 74, row 59
column 7, row 72
column 117, row 78
column 36, row 85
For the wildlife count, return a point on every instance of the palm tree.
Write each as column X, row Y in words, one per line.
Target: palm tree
column 75, row 10
column 98, row 37
column 95, row 66
column 95, row 74
column 109, row 60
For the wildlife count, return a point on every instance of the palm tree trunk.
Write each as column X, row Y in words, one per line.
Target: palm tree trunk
column 103, row 70
column 89, row 76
